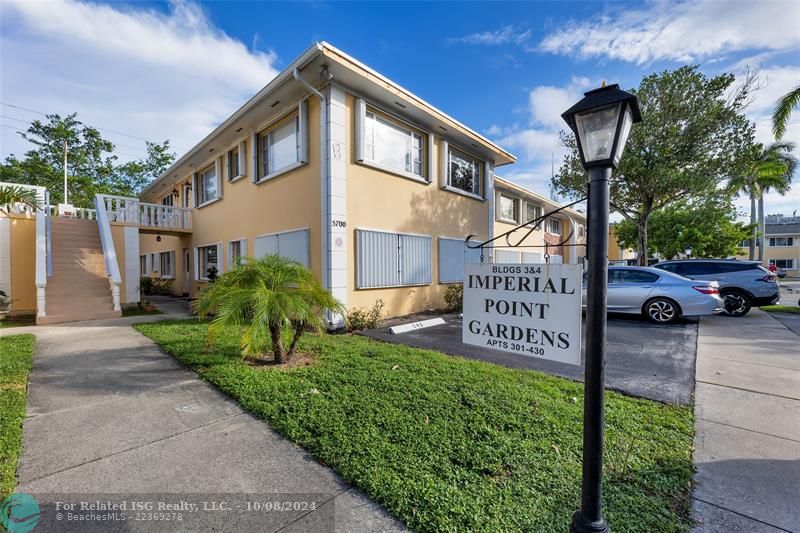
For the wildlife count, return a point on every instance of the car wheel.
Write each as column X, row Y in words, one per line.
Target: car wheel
column 737, row 303
column 662, row 311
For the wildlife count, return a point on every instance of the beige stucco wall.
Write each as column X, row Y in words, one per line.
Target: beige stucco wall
column 778, row 252
column 615, row 252
column 382, row 201
column 169, row 243
column 23, row 265
column 246, row 210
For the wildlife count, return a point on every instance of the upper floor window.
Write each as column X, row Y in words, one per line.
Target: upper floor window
column 207, row 185
column 532, row 211
column 508, row 208
column 553, row 226
column 393, row 145
column 781, row 241
column 463, row 172
column 233, row 163
column 187, row 194
column 279, row 147
column 167, row 200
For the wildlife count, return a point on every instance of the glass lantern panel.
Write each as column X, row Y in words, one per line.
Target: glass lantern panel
column 596, row 129
column 627, row 122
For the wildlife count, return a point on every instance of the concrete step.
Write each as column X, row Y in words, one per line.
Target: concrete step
column 59, row 293
column 84, row 306
column 71, row 317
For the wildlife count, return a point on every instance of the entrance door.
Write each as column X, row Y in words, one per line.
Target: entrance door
column 187, row 268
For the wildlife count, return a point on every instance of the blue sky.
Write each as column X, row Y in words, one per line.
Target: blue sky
column 176, row 69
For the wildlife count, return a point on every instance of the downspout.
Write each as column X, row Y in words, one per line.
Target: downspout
column 572, row 241
column 324, row 165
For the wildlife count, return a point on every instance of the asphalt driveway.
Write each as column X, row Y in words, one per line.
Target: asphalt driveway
column 648, row 360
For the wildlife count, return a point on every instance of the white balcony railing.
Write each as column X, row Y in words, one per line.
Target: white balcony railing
column 131, row 210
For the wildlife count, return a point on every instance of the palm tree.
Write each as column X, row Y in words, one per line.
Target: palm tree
column 264, row 296
column 768, row 168
column 783, row 111
column 776, row 170
column 15, row 194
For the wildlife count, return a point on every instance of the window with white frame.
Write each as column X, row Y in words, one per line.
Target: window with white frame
column 187, row 194
column 237, row 250
column 279, row 147
column 787, row 264
column 463, row 171
column 508, row 208
column 233, row 164
column 553, row 226
column 581, row 231
column 532, row 211
column 208, row 261
column 393, row 145
column 781, row 241
column 207, row 185
column 167, row 261
column 143, row 266
column 167, row 200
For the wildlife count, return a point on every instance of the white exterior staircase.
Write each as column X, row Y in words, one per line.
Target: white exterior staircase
column 79, row 286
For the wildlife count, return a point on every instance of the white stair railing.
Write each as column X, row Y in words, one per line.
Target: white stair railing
column 131, row 211
column 109, row 251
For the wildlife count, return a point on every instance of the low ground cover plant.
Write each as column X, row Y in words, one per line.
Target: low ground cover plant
column 16, row 352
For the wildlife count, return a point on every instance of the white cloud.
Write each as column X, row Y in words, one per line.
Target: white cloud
column 504, row 35
column 130, row 69
column 680, row 31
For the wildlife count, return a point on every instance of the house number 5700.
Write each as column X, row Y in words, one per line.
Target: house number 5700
column 338, row 224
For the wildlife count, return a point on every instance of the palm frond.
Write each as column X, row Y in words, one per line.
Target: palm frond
column 783, row 111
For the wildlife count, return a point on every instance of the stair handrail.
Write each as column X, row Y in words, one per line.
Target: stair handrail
column 41, row 251
column 109, row 251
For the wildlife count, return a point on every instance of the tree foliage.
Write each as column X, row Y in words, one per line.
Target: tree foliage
column 707, row 227
column 783, row 111
column 264, row 296
column 693, row 136
column 92, row 166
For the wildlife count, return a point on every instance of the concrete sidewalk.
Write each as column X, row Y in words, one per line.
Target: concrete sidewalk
column 108, row 412
column 747, row 446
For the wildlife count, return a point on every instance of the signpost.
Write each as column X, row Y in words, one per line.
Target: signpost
column 527, row 309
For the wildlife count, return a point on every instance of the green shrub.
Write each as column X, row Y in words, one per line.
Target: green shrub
column 162, row 287
column 146, row 284
column 366, row 318
column 454, row 298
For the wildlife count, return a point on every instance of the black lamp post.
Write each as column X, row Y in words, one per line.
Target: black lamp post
column 601, row 122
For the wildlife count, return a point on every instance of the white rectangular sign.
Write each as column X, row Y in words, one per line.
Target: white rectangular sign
column 528, row 309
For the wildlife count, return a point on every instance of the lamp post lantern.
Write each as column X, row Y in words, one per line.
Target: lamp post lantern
column 601, row 121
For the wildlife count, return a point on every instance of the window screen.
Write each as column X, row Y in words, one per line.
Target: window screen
column 393, row 259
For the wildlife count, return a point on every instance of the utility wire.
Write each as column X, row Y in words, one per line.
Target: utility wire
column 96, row 127
column 115, row 151
column 115, row 143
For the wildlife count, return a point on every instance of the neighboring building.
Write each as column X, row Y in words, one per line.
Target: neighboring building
column 561, row 236
column 782, row 244
column 616, row 252
column 17, row 269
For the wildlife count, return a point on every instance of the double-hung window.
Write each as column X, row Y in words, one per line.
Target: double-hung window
column 208, row 261
column 553, row 226
column 236, row 252
column 167, row 264
column 233, row 164
column 464, row 172
column 279, row 147
column 532, row 211
column 787, row 264
column 207, row 185
column 508, row 208
column 187, row 194
column 167, row 200
column 143, row 266
column 393, row 145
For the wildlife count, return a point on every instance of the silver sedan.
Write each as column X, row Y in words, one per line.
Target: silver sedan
column 659, row 295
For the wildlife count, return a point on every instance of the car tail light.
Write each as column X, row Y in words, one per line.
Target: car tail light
column 769, row 278
column 705, row 289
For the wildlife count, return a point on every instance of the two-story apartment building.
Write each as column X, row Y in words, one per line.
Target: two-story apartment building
column 340, row 168
column 782, row 242
column 560, row 238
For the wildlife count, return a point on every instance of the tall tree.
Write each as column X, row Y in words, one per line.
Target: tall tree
column 777, row 165
column 693, row 136
column 783, row 111
column 92, row 167
column 706, row 226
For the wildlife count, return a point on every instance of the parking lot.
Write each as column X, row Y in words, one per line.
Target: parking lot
column 643, row 359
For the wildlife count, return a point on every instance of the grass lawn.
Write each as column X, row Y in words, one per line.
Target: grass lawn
column 17, row 321
column 138, row 311
column 781, row 308
column 16, row 352
column 448, row 444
